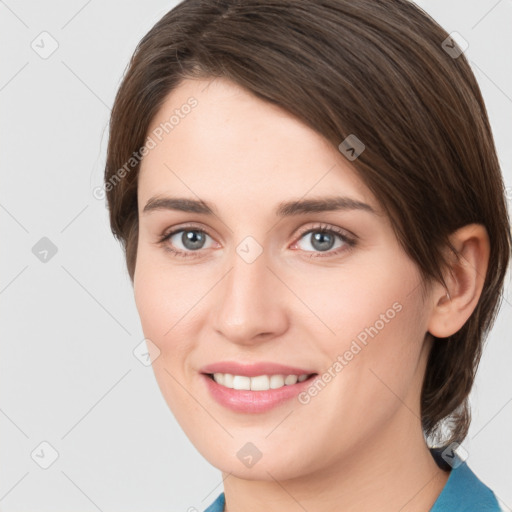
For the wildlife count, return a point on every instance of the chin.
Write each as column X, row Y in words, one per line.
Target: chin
column 267, row 464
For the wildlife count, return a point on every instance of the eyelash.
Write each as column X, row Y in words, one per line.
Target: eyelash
column 321, row 228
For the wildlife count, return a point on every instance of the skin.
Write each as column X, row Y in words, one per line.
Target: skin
column 358, row 444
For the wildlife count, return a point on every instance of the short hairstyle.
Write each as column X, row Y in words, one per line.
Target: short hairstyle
column 378, row 69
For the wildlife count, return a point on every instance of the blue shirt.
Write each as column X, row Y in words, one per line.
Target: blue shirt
column 463, row 491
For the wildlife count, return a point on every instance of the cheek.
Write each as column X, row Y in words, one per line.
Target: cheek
column 367, row 295
column 386, row 373
column 165, row 308
column 154, row 305
column 377, row 324
column 165, row 294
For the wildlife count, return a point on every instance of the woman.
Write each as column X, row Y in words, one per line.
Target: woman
column 314, row 222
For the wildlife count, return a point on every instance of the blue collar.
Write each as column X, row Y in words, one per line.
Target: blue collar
column 217, row 505
column 463, row 491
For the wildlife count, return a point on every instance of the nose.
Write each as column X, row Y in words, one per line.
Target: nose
column 251, row 302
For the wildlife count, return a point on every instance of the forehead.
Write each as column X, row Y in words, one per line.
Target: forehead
column 235, row 144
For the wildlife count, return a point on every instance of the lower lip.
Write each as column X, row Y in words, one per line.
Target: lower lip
column 242, row 400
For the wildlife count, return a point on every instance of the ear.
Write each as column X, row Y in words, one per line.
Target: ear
column 465, row 280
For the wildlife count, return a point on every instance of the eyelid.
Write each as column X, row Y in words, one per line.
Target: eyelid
column 329, row 228
column 183, row 227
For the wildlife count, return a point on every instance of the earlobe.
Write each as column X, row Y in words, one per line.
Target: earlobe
column 465, row 280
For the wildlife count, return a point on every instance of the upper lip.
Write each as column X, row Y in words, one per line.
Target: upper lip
column 253, row 369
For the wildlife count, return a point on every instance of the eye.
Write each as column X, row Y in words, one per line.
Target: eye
column 325, row 239
column 185, row 241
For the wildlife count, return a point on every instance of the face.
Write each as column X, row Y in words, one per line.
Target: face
column 309, row 314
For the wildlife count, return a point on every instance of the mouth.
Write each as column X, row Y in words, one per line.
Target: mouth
column 256, row 393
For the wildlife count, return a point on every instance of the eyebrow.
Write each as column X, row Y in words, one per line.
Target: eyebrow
column 284, row 209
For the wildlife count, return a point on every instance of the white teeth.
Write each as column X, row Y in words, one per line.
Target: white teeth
column 219, row 377
column 276, row 381
column 228, row 380
column 259, row 383
column 241, row 382
column 290, row 379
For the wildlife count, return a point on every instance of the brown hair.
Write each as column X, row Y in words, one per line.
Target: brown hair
column 373, row 68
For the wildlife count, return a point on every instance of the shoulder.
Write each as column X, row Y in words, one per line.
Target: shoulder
column 465, row 492
column 217, row 505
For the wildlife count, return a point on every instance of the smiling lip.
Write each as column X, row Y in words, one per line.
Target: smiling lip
column 245, row 401
column 253, row 369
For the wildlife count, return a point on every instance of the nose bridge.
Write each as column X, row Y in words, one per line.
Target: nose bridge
column 248, row 305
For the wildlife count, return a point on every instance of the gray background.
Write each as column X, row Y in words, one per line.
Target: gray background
column 68, row 375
